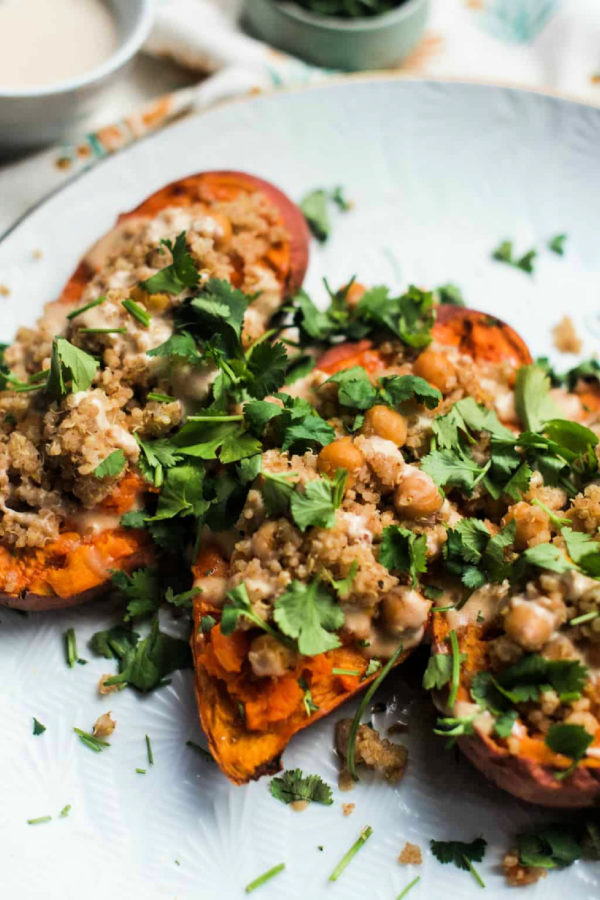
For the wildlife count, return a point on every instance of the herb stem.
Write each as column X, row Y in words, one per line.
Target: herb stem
column 345, row 672
column 262, row 879
column 160, row 398
column 455, row 682
column 410, row 885
column 70, row 647
column 235, row 418
column 474, row 872
column 586, row 617
column 557, row 521
column 90, row 741
column 40, row 820
column 103, row 330
column 82, row 309
column 349, row 856
column 440, row 609
column 361, row 708
column 138, row 312
column 149, row 751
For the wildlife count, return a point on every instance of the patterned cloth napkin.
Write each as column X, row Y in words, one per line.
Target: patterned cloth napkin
column 544, row 44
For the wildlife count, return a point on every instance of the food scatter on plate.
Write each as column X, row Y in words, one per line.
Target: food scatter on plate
column 321, row 491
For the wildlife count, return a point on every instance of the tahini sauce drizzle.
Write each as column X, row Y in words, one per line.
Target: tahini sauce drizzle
column 48, row 41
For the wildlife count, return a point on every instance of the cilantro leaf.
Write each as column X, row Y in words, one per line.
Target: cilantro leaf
column 220, row 307
column 550, row 846
column 38, row 728
column 450, row 295
column 459, row 852
column 342, row 586
column 545, row 556
column 112, row 466
column 583, row 550
column 292, row 786
column 454, row 468
column 314, row 207
column 156, row 456
column 410, row 316
column 113, row 643
column 71, row 369
column 354, row 388
column 316, row 505
column 557, row 244
column 181, row 345
column 135, row 518
column 404, row 551
column 184, row 599
column 182, row 493
column 308, row 613
column 239, row 605
column 438, row 672
column 154, row 657
column 398, row 389
column 504, row 723
column 522, row 681
column 267, row 363
column 179, row 275
column 532, row 398
column 141, row 589
column 569, row 740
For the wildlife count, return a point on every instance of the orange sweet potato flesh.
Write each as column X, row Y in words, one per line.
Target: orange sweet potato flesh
column 247, row 744
column 480, row 335
column 524, row 766
column 76, row 568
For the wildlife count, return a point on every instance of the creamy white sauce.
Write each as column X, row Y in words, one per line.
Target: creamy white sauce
column 93, row 521
column 48, row 41
column 355, row 526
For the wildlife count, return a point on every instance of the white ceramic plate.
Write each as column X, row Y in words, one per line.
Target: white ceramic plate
column 439, row 174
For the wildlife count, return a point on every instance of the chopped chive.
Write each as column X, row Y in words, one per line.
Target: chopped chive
column 65, row 811
column 141, row 771
column 82, row 309
column 200, row 750
column 138, row 312
column 349, row 856
column 38, row 728
column 408, row 887
column 149, row 751
column 25, row 388
column 262, row 879
column 474, row 872
column 586, row 617
column 90, row 741
column 454, row 684
column 160, row 398
column 70, row 647
column 442, row 608
column 345, row 672
column 40, row 820
column 361, row 708
column 103, row 330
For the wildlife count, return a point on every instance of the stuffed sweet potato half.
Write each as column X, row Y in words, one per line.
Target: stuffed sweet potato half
column 322, row 578
column 516, row 621
column 118, row 362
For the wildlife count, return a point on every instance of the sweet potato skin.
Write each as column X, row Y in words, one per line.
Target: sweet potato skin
column 480, row 335
column 289, row 263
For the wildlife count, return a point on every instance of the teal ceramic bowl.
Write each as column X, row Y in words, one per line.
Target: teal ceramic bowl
column 372, row 42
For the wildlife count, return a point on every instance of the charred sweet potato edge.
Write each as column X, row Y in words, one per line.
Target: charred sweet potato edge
column 74, row 568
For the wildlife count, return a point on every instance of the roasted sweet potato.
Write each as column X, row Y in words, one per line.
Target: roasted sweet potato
column 480, row 335
column 522, row 765
column 75, row 567
column 249, row 721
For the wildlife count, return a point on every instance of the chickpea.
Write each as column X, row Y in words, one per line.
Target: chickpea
column 532, row 525
column 417, row 495
column 269, row 657
column 583, row 718
column 386, row 423
column 528, row 624
column 404, row 608
column 437, row 369
column 354, row 294
column 341, row 454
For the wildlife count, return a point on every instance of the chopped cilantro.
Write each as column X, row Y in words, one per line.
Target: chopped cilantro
column 71, row 369
column 149, row 752
column 160, row 398
column 354, row 388
column 38, row 728
column 438, row 672
column 374, row 666
column 70, row 643
column 114, row 643
column 504, row 253
column 316, row 505
column 141, row 589
column 454, row 727
column 308, row 614
column 40, row 820
column 146, row 664
column 135, row 518
column 314, row 205
column 450, row 295
column 557, row 244
column 65, row 811
column 112, row 466
column 184, row 599
column 532, row 399
column 293, row 786
column 206, row 623
column 82, row 309
column 568, row 740
column 179, row 275
column 409, row 316
column 180, row 345
column 343, row 586
column 551, row 846
column 155, row 457
column 402, row 550
column 462, row 854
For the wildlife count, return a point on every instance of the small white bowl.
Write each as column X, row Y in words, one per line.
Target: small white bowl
column 39, row 115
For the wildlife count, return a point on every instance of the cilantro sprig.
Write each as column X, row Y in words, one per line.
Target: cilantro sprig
column 461, row 854
column 293, row 786
column 180, row 274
